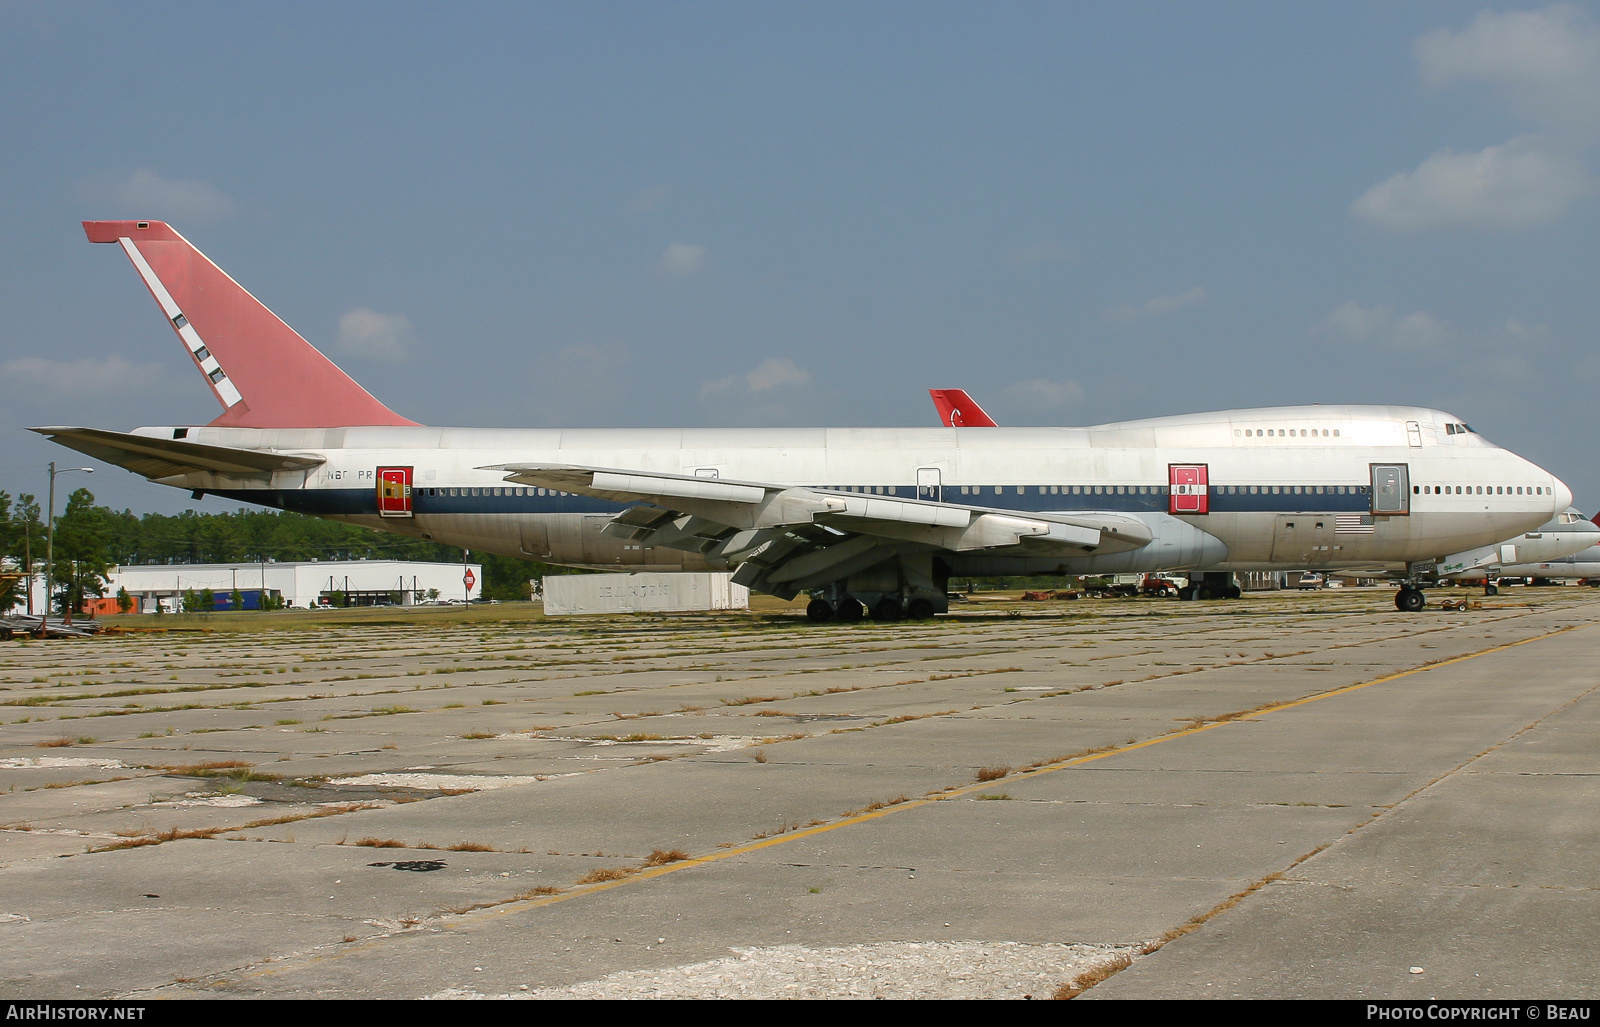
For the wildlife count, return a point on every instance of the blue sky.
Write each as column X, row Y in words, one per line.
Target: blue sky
column 761, row 213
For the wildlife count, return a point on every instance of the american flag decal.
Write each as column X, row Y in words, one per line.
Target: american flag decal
column 1353, row 524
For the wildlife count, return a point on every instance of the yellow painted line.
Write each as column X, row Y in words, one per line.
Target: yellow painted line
column 956, row 793
column 523, row 905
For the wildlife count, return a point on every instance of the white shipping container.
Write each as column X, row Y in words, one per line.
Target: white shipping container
column 568, row 594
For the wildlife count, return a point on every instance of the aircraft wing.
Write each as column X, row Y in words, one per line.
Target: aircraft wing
column 164, row 458
column 794, row 535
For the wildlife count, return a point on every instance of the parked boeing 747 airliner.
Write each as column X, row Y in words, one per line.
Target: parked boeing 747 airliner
column 861, row 518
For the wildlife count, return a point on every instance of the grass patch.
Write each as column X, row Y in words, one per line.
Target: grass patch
column 1089, row 978
column 602, row 874
column 661, row 857
column 992, row 773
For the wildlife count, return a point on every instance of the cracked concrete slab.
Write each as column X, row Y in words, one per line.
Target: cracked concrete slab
column 1305, row 849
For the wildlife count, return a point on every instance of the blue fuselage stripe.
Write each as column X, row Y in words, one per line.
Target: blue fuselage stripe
column 1025, row 498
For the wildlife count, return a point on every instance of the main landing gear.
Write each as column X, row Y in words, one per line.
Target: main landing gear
column 1211, row 585
column 887, row 609
column 819, row 610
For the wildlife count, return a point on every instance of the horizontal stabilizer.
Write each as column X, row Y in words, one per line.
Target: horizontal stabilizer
column 163, row 458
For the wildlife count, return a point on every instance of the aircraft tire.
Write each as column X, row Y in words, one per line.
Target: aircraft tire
column 1409, row 600
column 1233, row 592
column 919, row 609
column 819, row 611
column 849, row 609
column 888, row 609
column 1491, row 590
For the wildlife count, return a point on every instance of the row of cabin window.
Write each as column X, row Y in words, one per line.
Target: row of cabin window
column 1161, row 490
column 1043, row 490
column 493, row 492
column 1105, row 490
column 1074, row 490
column 1304, row 433
column 1477, row 490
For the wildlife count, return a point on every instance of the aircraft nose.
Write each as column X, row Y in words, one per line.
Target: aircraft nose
column 1563, row 496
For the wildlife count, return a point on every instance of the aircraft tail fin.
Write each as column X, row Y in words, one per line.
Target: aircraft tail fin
column 261, row 371
column 959, row 410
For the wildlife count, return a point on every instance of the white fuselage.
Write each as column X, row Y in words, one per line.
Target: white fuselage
column 1290, row 487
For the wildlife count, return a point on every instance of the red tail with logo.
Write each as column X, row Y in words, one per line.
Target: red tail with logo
column 261, row 371
column 959, row 410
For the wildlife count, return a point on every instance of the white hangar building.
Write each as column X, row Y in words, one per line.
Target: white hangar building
column 301, row 585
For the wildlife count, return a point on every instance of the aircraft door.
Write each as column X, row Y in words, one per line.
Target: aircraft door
column 1391, row 489
column 1414, row 434
column 928, row 484
column 1188, row 491
column 394, row 492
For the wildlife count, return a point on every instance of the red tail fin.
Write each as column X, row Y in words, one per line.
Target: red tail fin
column 262, row 372
column 959, row 410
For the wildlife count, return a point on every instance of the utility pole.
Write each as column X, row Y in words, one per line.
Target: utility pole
column 27, row 561
column 50, row 542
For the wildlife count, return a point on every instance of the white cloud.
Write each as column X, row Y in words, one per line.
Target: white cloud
column 1517, row 331
column 1517, row 184
column 146, row 194
column 773, row 373
column 1417, row 332
column 1159, row 305
column 1041, row 393
column 1545, row 63
column 682, row 260
column 369, row 334
column 77, row 379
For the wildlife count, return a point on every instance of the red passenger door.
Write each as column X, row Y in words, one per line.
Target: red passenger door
column 1187, row 489
column 394, row 491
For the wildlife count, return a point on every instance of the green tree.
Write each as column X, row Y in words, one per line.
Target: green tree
column 82, row 549
column 21, row 542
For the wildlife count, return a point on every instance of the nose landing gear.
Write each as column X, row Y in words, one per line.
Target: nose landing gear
column 1409, row 599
